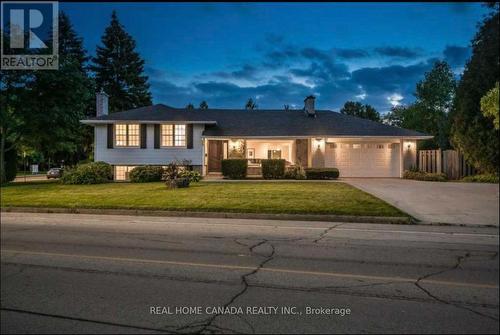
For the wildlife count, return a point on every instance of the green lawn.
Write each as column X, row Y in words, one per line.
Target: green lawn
column 255, row 197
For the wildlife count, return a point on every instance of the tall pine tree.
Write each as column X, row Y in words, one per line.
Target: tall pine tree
column 119, row 70
column 58, row 100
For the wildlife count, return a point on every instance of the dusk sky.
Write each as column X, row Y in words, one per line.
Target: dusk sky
column 279, row 53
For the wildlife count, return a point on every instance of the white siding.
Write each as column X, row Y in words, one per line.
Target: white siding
column 149, row 156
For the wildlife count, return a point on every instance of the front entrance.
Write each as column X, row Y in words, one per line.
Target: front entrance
column 215, row 155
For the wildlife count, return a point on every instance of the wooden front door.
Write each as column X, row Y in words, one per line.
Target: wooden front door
column 215, row 155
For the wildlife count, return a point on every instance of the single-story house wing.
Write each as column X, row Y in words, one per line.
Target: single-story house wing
column 159, row 134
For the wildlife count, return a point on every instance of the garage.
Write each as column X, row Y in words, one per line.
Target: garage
column 364, row 159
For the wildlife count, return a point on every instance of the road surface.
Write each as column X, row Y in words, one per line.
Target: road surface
column 132, row 274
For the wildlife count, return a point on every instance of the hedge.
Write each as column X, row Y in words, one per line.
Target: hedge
column 146, row 174
column 425, row 176
column 322, row 173
column 273, row 168
column 482, row 178
column 234, row 168
column 90, row 173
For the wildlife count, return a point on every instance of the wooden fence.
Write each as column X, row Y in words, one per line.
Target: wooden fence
column 450, row 162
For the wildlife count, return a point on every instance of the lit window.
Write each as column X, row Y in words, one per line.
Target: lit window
column 274, row 154
column 356, row 146
column 173, row 135
column 180, row 135
column 122, row 172
column 127, row 135
column 167, row 135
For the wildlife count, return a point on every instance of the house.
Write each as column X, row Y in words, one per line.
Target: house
column 159, row 134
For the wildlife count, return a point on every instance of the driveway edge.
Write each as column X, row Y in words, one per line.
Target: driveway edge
column 225, row 215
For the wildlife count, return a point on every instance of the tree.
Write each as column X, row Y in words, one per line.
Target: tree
column 190, row 106
column 435, row 95
column 489, row 105
column 359, row 110
column 203, row 105
column 59, row 100
column 119, row 70
column 471, row 132
column 250, row 105
column 13, row 112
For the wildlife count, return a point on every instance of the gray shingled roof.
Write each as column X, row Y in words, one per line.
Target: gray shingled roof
column 234, row 122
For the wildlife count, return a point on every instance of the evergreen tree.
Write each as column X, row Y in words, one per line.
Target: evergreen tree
column 190, row 106
column 59, row 100
column 473, row 133
column 119, row 69
column 203, row 105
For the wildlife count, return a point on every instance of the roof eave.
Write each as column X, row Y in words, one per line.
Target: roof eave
column 95, row 122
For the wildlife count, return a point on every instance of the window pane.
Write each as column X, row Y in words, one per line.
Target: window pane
column 167, row 135
column 180, row 135
column 121, row 135
column 133, row 135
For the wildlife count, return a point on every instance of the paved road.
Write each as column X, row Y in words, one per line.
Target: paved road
column 90, row 273
column 450, row 202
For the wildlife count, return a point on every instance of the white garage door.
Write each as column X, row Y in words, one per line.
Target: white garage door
column 363, row 159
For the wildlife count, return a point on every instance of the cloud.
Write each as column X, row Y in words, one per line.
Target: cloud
column 351, row 53
column 285, row 74
column 398, row 52
column 246, row 72
column 456, row 56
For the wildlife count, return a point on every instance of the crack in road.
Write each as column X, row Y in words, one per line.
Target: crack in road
column 457, row 265
column 326, row 231
column 207, row 325
column 57, row 316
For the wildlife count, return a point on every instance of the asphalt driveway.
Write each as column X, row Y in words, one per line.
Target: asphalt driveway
column 435, row 202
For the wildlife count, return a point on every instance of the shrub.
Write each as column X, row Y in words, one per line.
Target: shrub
column 273, row 168
column 172, row 175
column 145, row 174
column 91, row 173
column 482, row 178
column 322, row 173
column 193, row 176
column 234, row 168
column 425, row 176
column 295, row 172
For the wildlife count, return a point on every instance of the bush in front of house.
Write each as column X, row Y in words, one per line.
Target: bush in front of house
column 425, row 176
column 172, row 176
column 322, row 173
column 193, row 176
column 273, row 168
column 90, row 173
column 482, row 178
column 295, row 172
column 146, row 174
column 234, row 168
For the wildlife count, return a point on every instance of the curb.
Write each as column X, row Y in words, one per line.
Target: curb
column 225, row 215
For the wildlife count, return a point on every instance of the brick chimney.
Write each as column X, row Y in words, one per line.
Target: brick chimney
column 101, row 103
column 309, row 106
